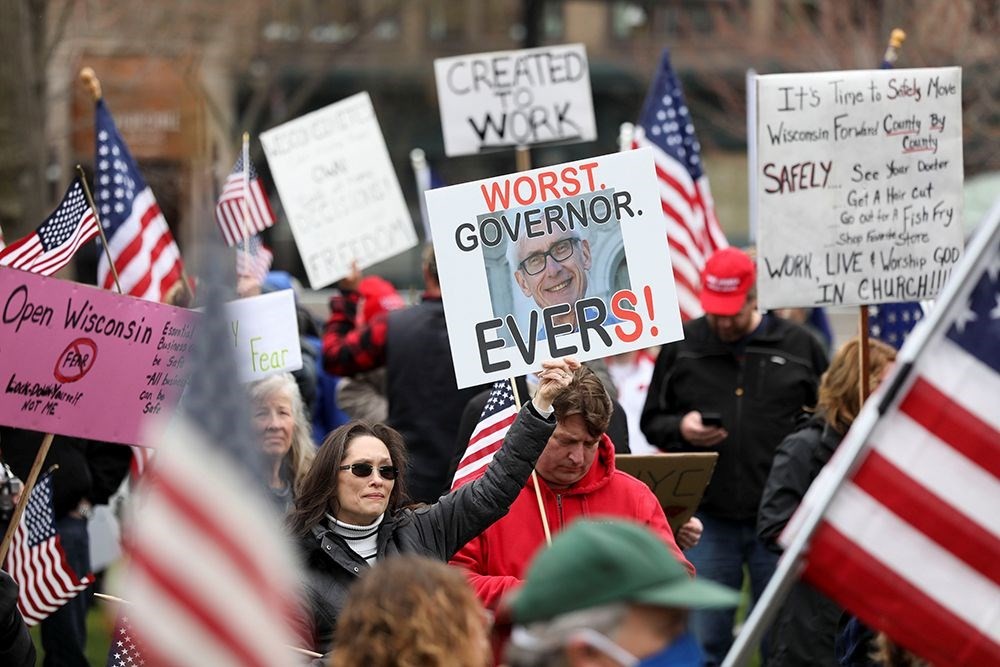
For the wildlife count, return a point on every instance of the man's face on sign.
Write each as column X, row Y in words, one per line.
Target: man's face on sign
column 552, row 269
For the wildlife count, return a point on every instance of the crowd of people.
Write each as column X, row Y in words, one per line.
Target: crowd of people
column 553, row 556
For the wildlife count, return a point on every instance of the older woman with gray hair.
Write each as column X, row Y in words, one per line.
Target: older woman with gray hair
column 279, row 419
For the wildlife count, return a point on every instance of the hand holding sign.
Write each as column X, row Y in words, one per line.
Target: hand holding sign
column 555, row 376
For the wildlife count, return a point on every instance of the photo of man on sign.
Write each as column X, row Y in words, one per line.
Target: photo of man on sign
column 563, row 266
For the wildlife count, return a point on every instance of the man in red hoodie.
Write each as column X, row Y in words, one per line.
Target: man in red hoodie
column 577, row 478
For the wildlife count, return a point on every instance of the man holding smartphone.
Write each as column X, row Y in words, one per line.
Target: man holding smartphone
column 735, row 384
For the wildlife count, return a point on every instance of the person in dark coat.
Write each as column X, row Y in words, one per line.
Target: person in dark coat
column 351, row 511
column 805, row 628
column 16, row 648
column 88, row 473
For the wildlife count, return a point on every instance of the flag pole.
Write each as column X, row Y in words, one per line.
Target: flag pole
column 896, row 39
column 849, row 453
column 22, row 502
column 100, row 228
column 522, row 158
column 246, row 197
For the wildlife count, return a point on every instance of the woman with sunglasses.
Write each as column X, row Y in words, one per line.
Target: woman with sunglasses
column 351, row 510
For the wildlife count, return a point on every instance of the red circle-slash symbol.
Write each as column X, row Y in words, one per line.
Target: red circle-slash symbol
column 76, row 360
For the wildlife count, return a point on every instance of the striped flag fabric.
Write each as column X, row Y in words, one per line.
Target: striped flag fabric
column 143, row 249
column 51, row 246
column 498, row 414
column 36, row 560
column 243, row 209
column 255, row 260
column 210, row 577
column 693, row 232
column 911, row 541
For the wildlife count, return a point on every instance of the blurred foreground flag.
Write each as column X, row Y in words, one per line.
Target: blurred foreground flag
column 51, row 246
column 498, row 414
column 692, row 229
column 36, row 560
column 210, row 576
column 911, row 540
column 143, row 249
column 243, row 209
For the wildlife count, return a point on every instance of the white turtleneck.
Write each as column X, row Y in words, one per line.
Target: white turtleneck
column 361, row 539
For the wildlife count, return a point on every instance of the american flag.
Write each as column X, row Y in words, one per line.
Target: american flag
column 210, row 578
column 911, row 541
column 51, row 246
column 255, row 260
column 124, row 650
column 145, row 254
column 243, row 209
column 36, row 560
column 498, row 414
column 693, row 232
column 892, row 322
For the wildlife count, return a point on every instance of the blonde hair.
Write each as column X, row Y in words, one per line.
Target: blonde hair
column 839, row 400
column 300, row 455
column 411, row 611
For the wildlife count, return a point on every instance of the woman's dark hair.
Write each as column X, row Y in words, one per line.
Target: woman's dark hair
column 318, row 493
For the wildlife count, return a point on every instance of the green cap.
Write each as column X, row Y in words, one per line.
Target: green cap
column 594, row 563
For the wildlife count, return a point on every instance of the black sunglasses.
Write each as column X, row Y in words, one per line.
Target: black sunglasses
column 365, row 470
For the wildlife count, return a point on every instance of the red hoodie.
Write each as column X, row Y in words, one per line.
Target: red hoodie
column 498, row 558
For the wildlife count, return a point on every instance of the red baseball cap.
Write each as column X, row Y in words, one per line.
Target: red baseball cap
column 727, row 277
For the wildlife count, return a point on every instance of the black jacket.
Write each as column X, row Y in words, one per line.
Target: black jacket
column 805, row 627
column 760, row 387
column 425, row 402
column 88, row 470
column 436, row 531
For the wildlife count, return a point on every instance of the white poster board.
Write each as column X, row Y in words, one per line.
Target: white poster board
column 265, row 334
column 339, row 189
column 515, row 98
column 611, row 290
column 859, row 186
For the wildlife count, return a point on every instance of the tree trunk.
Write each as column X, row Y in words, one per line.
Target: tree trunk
column 23, row 192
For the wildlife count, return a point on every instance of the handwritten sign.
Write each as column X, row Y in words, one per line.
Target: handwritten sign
column 563, row 260
column 859, row 185
column 265, row 334
column 515, row 98
column 80, row 361
column 677, row 480
column 339, row 189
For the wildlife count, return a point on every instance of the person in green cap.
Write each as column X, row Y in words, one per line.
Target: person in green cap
column 608, row 592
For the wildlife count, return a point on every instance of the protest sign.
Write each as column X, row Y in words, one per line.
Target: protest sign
column 677, row 480
column 339, row 189
column 557, row 261
column 859, row 185
column 265, row 334
column 515, row 98
column 80, row 361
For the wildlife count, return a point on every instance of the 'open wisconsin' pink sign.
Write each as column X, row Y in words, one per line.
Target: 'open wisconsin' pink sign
column 76, row 360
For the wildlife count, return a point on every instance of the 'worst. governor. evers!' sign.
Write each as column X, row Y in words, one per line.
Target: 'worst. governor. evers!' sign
column 339, row 189
column 515, row 98
column 565, row 260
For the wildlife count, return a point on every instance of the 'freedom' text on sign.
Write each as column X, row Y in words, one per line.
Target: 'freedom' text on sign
column 339, row 189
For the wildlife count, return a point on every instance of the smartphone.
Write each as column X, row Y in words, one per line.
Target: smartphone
column 711, row 419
